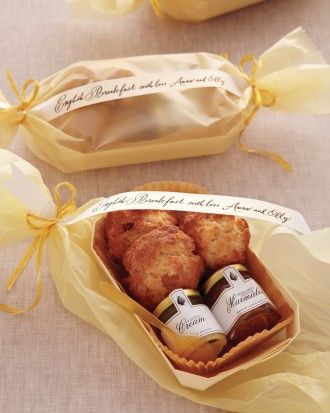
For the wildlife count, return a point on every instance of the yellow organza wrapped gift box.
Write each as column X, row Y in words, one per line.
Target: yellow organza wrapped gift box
column 298, row 378
column 189, row 10
column 98, row 114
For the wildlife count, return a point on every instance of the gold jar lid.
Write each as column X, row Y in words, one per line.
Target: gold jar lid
column 167, row 302
column 214, row 278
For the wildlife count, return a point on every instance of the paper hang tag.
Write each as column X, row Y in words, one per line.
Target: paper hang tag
column 29, row 193
column 124, row 87
column 214, row 204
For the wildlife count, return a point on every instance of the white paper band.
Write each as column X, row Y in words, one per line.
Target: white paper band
column 124, row 87
column 216, row 204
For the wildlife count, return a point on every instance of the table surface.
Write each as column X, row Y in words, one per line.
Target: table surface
column 51, row 361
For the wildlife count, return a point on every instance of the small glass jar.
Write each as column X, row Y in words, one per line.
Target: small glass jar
column 238, row 303
column 185, row 312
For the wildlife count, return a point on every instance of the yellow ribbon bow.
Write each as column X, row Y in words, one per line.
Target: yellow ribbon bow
column 261, row 98
column 25, row 100
column 42, row 226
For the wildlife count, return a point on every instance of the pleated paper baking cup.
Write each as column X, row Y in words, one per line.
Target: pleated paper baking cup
column 250, row 343
column 243, row 348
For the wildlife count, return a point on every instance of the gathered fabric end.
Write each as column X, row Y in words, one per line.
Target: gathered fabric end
column 42, row 227
column 8, row 129
column 11, row 116
column 260, row 97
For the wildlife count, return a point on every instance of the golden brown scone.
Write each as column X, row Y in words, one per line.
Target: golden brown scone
column 124, row 227
column 180, row 215
column 100, row 246
column 220, row 239
column 159, row 262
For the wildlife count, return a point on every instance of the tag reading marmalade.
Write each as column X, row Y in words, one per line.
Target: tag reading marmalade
column 242, row 296
column 191, row 319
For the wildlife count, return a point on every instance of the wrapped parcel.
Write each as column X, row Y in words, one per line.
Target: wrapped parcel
column 200, row 10
column 105, row 113
column 194, row 11
column 298, row 377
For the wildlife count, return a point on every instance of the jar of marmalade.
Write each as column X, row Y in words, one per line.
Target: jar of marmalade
column 185, row 312
column 238, row 303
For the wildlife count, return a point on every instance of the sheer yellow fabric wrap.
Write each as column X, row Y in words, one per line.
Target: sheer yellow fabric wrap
column 291, row 77
column 297, row 379
column 42, row 227
column 194, row 11
column 200, row 10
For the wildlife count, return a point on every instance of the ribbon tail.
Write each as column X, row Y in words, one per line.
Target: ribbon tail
column 272, row 155
column 23, row 263
column 38, row 244
column 259, row 99
column 14, row 310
